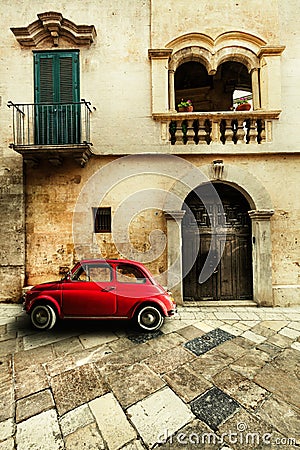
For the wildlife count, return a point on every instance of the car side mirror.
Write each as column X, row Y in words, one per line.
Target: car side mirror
column 67, row 277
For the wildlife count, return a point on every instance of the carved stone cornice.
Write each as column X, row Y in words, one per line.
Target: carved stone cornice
column 159, row 53
column 52, row 25
column 174, row 215
column 271, row 50
column 261, row 214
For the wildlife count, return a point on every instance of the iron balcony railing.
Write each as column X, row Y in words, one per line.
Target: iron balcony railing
column 51, row 123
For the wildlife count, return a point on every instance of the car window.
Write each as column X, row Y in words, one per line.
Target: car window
column 97, row 273
column 100, row 273
column 130, row 274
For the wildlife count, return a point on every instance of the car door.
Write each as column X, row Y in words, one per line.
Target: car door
column 132, row 286
column 91, row 292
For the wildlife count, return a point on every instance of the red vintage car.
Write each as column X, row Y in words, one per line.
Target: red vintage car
column 101, row 289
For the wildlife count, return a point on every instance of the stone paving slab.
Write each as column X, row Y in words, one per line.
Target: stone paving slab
column 30, row 380
column 195, row 435
column 6, row 400
column 69, row 387
column 75, row 419
column 243, row 390
column 169, row 360
column 186, row 383
column 214, row 407
column 87, row 437
column 285, row 385
column 34, row 404
column 161, row 411
column 208, row 341
column 40, row 431
column 134, row 383
column 112, row 421
column 76, row 387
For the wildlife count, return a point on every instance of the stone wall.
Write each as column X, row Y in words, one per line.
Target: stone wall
column 115, row 75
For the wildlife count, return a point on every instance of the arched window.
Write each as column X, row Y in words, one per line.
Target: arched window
column 212, row 69
column 216, row 92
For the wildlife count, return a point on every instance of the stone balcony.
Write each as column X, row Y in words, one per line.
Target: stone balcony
column 224, row 130
column 52, row 132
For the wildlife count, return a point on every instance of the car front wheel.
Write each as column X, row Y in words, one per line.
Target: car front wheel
column 43, row 317
column 149, row 318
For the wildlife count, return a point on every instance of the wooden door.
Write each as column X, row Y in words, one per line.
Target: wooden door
column 229, row 243
column 57, row 108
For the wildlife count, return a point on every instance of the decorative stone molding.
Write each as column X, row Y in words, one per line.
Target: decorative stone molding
column 52, row 25
column 158, row 53
column 269, row 50
column 252, row 51
column 174, row 215
column 227, row 39
column 218, row 169
column 261, row 214
column 54, row 154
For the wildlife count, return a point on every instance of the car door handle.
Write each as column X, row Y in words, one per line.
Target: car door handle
column 108, row 289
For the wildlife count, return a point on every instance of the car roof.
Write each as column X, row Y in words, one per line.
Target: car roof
column 110, row 260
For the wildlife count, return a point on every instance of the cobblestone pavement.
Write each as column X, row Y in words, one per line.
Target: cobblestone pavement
column 212, row 378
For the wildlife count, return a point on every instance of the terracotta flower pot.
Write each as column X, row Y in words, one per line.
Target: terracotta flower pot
column 243, row 107
column 181, row 109
column 189, row 108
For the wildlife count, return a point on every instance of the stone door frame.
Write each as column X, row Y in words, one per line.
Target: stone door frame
column 260, row 214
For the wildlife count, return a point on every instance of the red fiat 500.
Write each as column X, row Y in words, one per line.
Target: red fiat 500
column 101, row 289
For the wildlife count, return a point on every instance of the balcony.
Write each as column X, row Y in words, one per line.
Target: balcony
column 228, row 131
column 53, row 132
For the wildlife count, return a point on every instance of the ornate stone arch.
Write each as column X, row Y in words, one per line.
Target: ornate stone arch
column 192, row 53
column 231, row 46
column 238, row 54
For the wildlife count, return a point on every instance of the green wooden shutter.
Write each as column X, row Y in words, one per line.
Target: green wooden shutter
column 56, row 93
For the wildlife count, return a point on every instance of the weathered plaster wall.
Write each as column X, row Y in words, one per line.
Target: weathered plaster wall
column 172, row 19
column 115, row 75
column 53, row 195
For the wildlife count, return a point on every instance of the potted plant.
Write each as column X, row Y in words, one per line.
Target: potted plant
column 186, row 106
column 242, row 104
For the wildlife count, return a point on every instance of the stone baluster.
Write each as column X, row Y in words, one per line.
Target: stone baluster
column 190, row 134
column 240, row 132
column 227, row 132
column 178, row 132
column 202, row 131
column 263, row 135
column 216, row 131
column 252, row 131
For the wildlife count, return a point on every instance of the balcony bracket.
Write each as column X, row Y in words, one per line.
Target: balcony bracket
column 33, row 155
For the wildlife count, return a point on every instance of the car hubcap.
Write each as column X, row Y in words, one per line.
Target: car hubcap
column 41, row 317
column 149, row 318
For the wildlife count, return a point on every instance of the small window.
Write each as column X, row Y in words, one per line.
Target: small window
column 102, row 220
column 130, row 274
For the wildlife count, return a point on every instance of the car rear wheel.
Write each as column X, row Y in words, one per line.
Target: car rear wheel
column 43, row 317
column 149, row 318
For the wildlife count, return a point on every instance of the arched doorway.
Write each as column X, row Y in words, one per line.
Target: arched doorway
column 232, row 278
